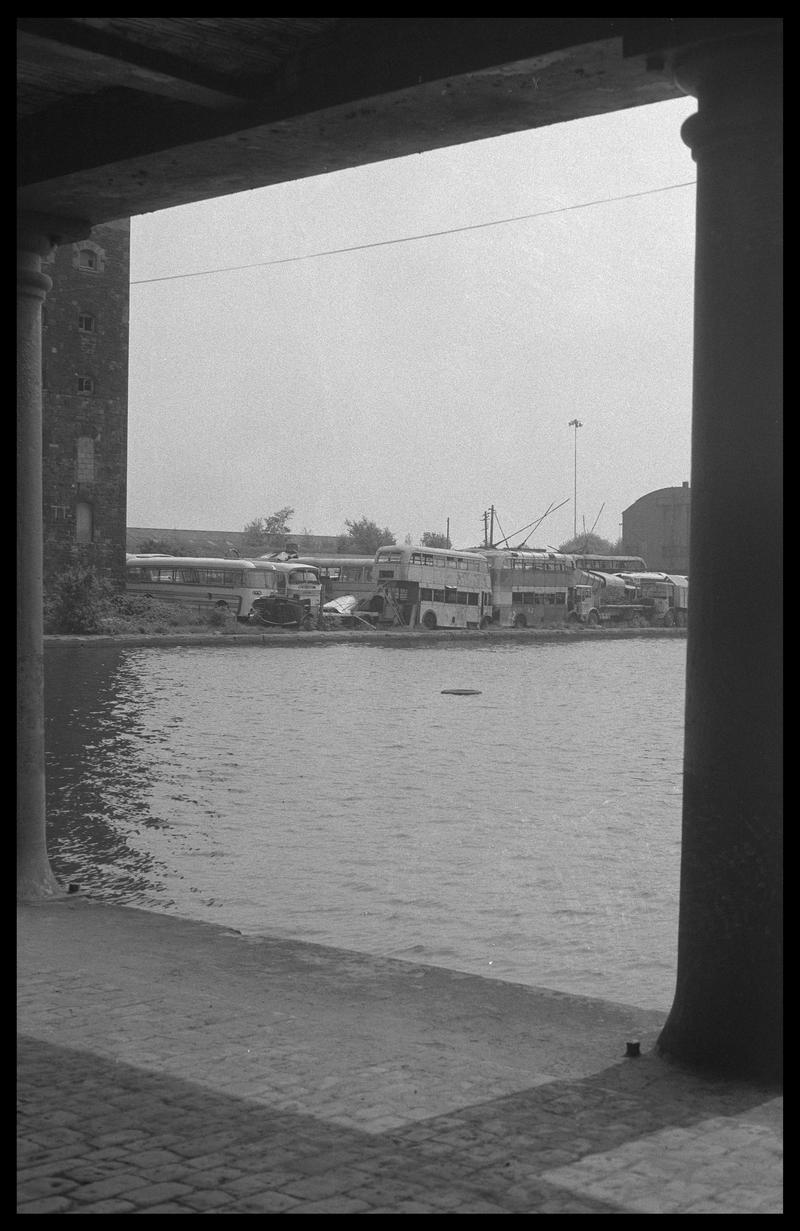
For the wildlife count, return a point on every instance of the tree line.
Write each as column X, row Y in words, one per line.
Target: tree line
column 361, row 537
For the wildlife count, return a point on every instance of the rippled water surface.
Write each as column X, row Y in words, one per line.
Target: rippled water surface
column 335, row 794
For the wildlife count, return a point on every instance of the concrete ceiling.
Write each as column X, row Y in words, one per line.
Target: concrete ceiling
column 124, row 115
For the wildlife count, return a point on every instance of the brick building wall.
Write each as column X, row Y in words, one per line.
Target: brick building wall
column 656, row 527
column 85, row 403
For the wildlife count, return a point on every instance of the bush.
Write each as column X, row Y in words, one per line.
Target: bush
column 79, row 601
column 136, row 613
column 76, row 601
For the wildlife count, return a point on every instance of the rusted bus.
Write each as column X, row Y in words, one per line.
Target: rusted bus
column 530, row 587
column 434, row 587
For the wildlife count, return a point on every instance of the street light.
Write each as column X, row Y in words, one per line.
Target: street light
column 576, row 423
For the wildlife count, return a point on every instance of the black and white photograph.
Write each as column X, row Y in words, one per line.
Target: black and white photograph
column 399, row 615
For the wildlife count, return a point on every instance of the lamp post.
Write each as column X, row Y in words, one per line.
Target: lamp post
column 576, row 423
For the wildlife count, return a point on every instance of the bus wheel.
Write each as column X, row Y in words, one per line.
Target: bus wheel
column 222, row 604
column 520, row 621
column 594, row 619
column 429, row 619
column 573, row 618
column 669, row 620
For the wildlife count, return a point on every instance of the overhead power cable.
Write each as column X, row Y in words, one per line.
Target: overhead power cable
column 408, row 239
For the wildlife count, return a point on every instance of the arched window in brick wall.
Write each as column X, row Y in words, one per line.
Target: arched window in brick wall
column 89, row 257
column 84, row 522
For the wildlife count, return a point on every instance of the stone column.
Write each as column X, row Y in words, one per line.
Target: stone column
column 36, row 237
column 726, row 1014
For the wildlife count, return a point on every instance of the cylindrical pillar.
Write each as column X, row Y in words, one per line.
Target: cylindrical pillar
column 726, row 1014
column 35, row 879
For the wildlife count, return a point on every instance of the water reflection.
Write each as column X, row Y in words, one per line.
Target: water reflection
column 99, row 772
column 334, row 793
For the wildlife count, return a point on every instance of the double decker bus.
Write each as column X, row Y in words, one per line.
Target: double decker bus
column 264, row 591
column 530, row 586
column 434, row 587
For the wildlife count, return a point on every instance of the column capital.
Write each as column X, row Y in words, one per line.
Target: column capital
column 737, row 83
column 32, row 282
column 40, row 233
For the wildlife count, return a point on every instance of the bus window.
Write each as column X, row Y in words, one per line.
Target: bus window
column 220, row 577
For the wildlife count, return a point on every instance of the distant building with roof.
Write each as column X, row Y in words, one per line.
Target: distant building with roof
column 221, row 543
column 656, row 527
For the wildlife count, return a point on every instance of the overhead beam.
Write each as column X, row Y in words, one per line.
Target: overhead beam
column 378, row 88
column 119, row 61
column 151, row 157
column 368, row 60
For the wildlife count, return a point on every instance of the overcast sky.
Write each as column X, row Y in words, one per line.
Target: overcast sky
column 412, row 382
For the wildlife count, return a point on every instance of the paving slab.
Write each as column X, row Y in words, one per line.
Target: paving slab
column 172, row 1066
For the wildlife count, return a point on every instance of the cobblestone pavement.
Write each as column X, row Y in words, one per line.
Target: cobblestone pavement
column 167, row 1066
